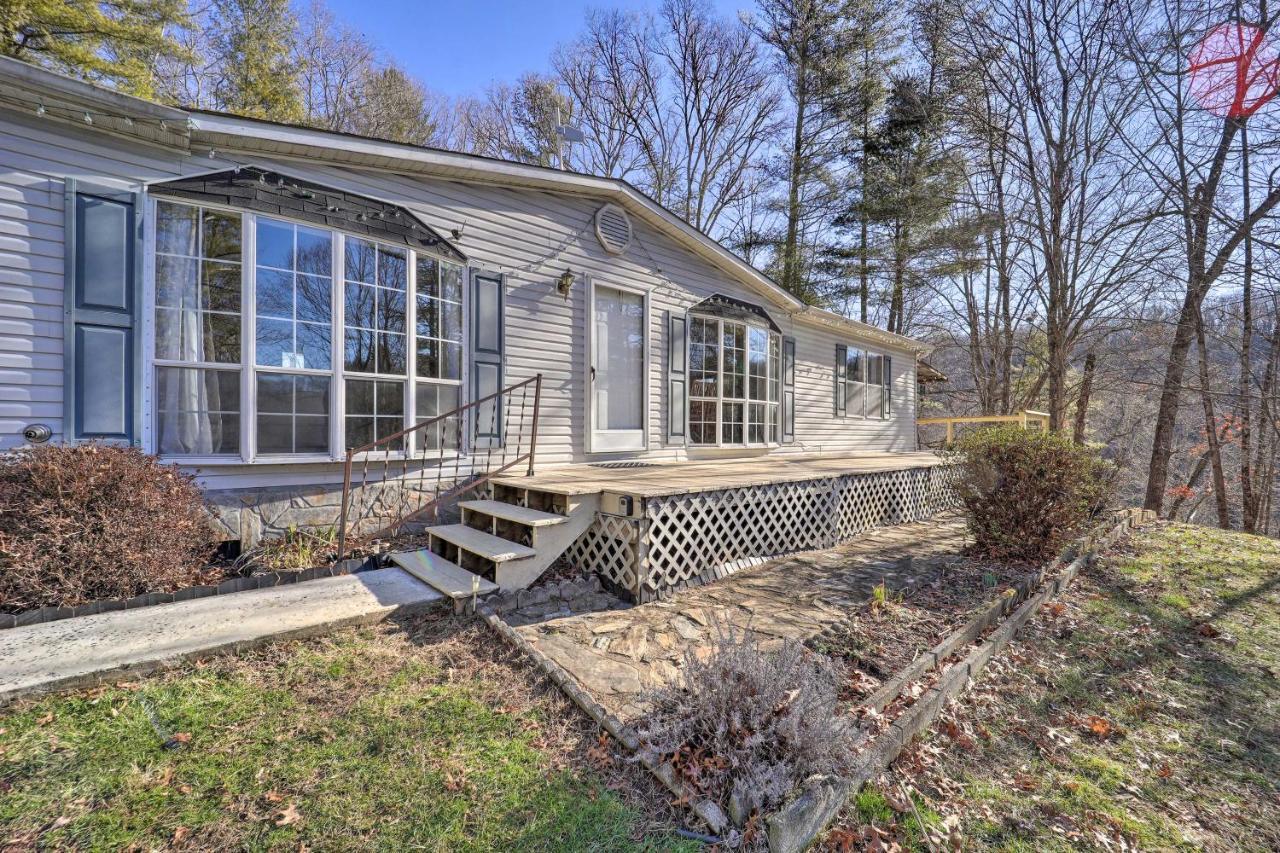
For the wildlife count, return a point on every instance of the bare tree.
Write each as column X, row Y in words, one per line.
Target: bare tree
column 1186, row 154
column 516, row 122
column 599, row 81
column 682, row 101
column 334, row 58
column 1071, row 97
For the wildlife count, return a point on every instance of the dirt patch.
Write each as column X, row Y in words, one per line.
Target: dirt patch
column 884, row 635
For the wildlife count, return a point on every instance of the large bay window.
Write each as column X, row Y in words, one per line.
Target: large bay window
column 344, row 340
column 734, row 382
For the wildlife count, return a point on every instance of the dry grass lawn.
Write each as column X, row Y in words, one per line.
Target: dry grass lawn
column 1142, row 711
column 427, row 735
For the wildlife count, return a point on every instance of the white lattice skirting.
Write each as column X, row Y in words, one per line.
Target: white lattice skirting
column 703, row 536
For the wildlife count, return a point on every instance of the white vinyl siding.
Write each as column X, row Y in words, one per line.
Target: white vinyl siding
column 530, row 236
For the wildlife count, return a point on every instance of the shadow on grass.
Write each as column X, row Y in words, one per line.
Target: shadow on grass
column 1227, row 695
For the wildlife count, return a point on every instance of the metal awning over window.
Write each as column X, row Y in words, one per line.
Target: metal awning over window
column 277, row 194
column 729, row 308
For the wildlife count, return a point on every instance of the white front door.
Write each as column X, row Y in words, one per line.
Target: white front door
column 617, row 370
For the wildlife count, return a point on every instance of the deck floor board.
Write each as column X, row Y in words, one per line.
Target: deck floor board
column 704, row 475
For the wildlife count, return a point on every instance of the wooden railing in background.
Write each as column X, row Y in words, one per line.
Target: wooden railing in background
column 1024, row 418
column 416, row 469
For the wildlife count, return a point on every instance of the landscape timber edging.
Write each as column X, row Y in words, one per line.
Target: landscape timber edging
column 708, row 811
column 798, row 823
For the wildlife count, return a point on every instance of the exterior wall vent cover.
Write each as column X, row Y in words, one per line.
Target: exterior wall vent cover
column 613, row 229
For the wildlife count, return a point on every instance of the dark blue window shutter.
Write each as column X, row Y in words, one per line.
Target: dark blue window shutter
column 488, row 341
column 888, row 386
column 102, row 362
column 677, row 376
column 839, row 401
column 788, row 390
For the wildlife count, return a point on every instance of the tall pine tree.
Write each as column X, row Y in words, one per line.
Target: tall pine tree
column 814, row 55
column 116, row 43
column 253, row 46
column 911, row 182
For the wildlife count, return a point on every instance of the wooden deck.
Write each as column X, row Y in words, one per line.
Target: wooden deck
column 652, row 479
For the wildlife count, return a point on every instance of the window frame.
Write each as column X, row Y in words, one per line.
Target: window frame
column 248, row 369
column 885, row 385
column 772, row 407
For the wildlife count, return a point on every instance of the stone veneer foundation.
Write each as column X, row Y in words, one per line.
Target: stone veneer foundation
column 252, row 515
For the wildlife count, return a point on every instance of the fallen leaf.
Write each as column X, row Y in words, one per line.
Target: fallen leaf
column 273, row 796
column 181, row 737
column 1165, row 771
column 896, row 801
column 1204, row 629
column 1099, row 727
column 181, row 834
column 288, row 816
column 45, row 720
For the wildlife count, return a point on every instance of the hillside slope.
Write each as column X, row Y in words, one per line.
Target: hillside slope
column 1142, row 710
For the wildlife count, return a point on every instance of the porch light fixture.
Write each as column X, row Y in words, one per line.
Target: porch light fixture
column 565, row 283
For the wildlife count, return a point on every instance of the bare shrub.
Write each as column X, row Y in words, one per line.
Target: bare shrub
column 745, row 726
column 89, row 522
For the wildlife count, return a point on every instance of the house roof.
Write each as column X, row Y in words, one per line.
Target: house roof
column 29, row 88
column 926, row 372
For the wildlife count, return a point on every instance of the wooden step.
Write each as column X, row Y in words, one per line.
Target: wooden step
column 492, row 548
column 511, row 512
column 437, row 572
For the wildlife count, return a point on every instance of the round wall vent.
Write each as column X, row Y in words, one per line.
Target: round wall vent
column 613, row 229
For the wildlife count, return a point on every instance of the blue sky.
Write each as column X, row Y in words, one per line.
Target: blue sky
column 459, row 47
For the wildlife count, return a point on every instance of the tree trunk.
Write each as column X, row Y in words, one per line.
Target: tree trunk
column 1198, row 218
column 1170, row 393
column 1248, row 504
column 1211, row 433
column 791, row 248
column 1057, row 374
column 864, row 284
column 897, row 300
column 1082, row 402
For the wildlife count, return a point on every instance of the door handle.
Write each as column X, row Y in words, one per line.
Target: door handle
column 593, row 373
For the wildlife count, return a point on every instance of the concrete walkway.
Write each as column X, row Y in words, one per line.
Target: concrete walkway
column 86, row 649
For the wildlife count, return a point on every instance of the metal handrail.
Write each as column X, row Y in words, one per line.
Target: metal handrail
column 441, row 419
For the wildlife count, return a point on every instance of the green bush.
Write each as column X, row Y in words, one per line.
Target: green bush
column 1027, row 492
column 91, row 522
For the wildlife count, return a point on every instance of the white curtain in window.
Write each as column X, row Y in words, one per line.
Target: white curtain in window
column 185, row 425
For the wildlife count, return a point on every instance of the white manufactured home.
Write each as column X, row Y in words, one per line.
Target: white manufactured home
column 326, row 329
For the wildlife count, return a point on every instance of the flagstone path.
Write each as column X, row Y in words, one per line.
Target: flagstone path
column 617, row 655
